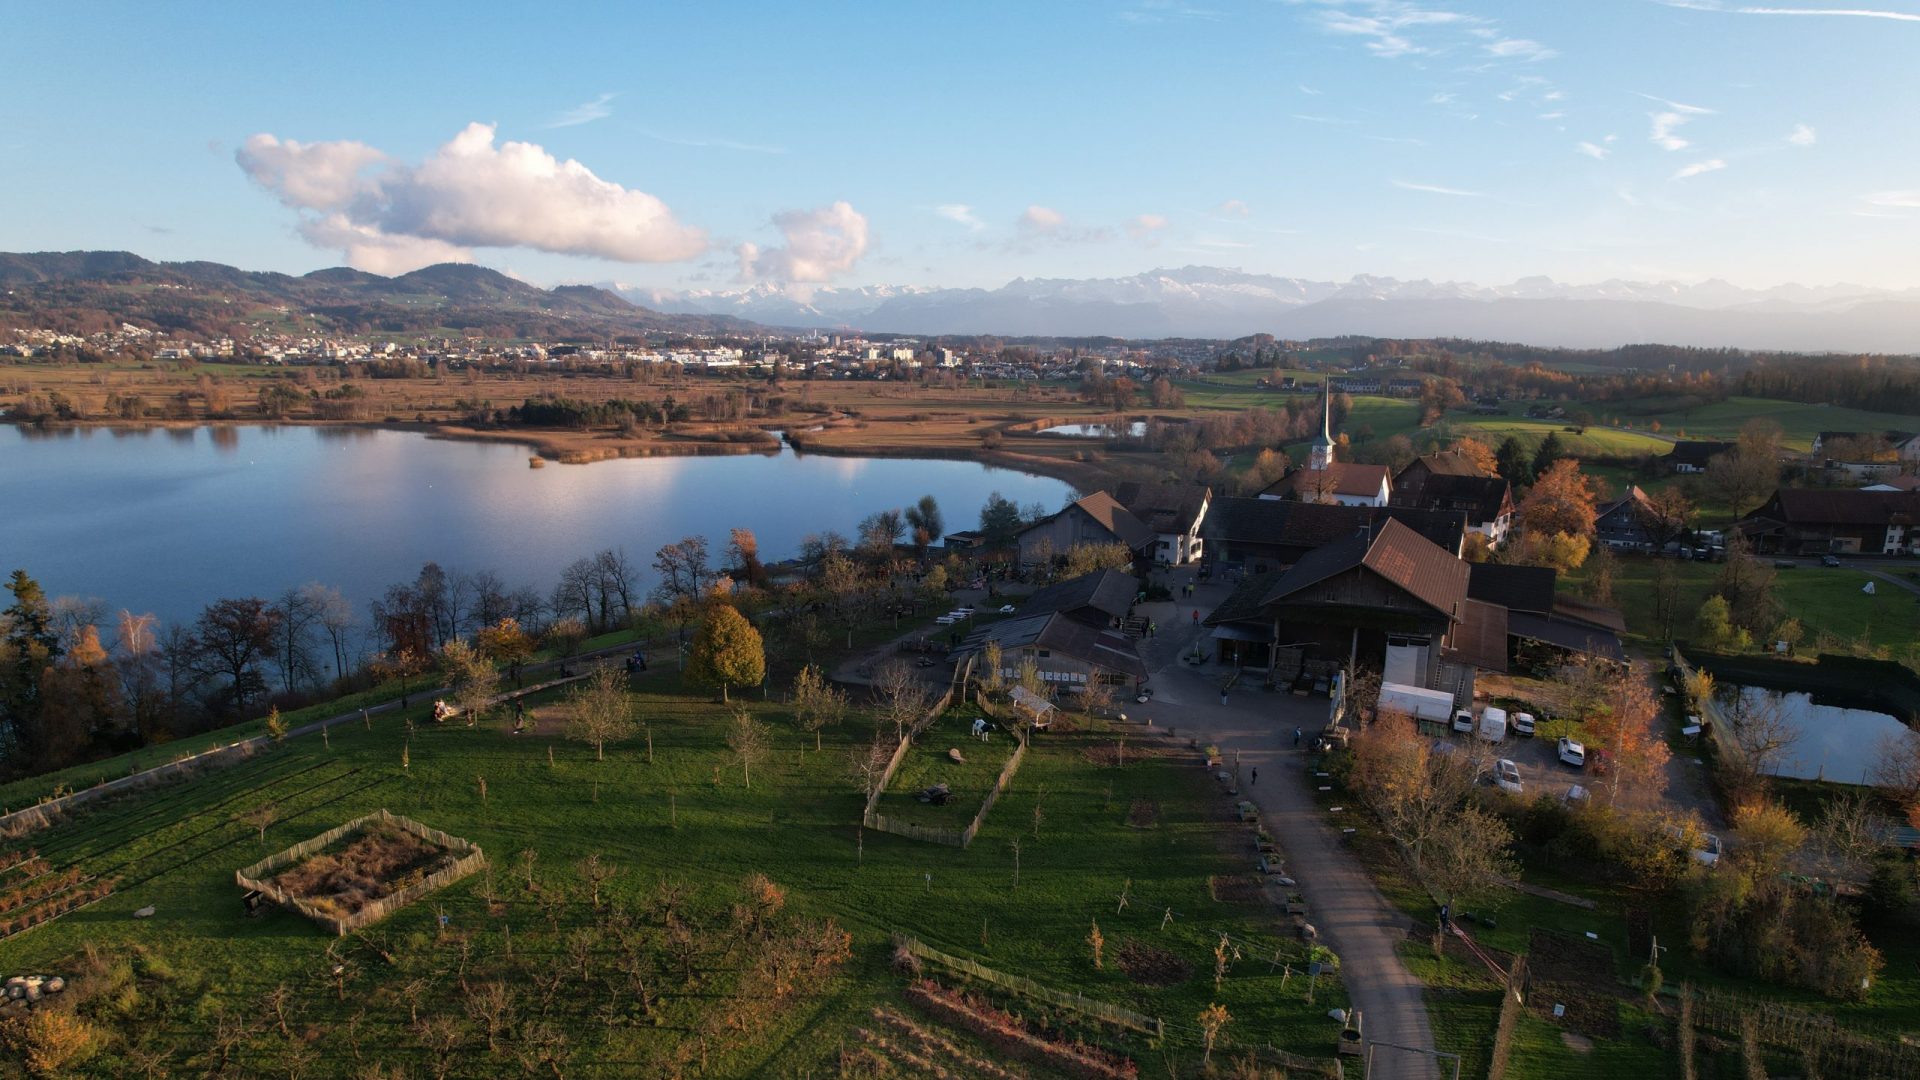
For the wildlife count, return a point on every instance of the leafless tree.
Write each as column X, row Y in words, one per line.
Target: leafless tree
column 335, row 617
column 602, row 709
column 902, row 697
column 1763, row 732
column 293, row 639
column 867, row 764
column 261, row 817
column 747, row 738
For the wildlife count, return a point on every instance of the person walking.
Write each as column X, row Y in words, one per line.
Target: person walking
column 1296, row 738
column 1256, row 778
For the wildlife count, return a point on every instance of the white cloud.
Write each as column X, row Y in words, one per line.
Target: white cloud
column 1894, row 200
column 309, row 176
column 1518, row 49
column 820, row 245
column 1435, row 189
column 1309, row 91
column 960, row 214
column 1042, row 219
column 1145, row 226
column 1593, row 150
column 1803, row 135
column 468, row 193
column 367, row 248
column 1664, row 124
column 1319, row 119
column 1235, row 208
column 1845, row 13
column 1698, row 167
column 1148, row 12
column 585, row 113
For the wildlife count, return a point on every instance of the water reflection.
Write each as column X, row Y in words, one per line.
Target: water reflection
column 1827, row 741
column 169, row 525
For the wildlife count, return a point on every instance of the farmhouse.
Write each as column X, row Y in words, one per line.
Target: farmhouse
column 1102, row 598
column 1096, row 519
column 1064, row 650
column 1451, row 481
column 1385, row 598
column 1815, row 522
column 1174, row 512
column 1692, row 455
column 1268, row 534
column 1621, row 524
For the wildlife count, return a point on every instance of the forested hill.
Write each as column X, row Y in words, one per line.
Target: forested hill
column 84, row 292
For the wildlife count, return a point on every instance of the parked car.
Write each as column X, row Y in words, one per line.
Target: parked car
column 1493, row 724
column 1523, row 723
column 1829, row 560
column 1708, row 853
column 1578, row 794
column 1506, row 776
column 1463, row 720
column 1572, row 753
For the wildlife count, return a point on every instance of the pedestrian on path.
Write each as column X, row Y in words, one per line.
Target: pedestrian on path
column 1196, row 616
column 1223, row 697
column 1256, row 778
column 1296, row 738
column 1153, row 627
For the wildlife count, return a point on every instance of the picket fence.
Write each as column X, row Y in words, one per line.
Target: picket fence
column 938, row 834
column 900, row 754
column 1025, row 987
column 258, row 876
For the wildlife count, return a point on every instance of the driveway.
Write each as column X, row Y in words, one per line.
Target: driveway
column 1351, row 915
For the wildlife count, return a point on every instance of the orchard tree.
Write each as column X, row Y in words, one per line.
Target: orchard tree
column 602, row 710
column 817, row 703
column 505, row 643
column 726, row 651
column 748, row 740
column 471, row 677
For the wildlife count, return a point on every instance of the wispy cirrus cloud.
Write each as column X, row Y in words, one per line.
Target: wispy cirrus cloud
column 1146, row 226
column 1150, row 12
column 1699, row 167
column 1893, row 200
column 1593, row 150
column 1436, row 189
column 1234, row 208
column 585, row 113
column 1804, row 12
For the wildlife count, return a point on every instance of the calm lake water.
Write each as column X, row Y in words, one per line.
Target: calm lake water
column 1835, row 743
column 169, row 520
column 1134, row 429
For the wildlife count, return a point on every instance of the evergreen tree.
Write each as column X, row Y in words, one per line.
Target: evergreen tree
column 27, row 646
column 1549, row 452
column 1513, row 462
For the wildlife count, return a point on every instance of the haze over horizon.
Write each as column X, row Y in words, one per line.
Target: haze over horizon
column 1650, row 140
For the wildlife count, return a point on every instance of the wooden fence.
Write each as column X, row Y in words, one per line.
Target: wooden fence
column 1815, row 1037
column 1025, row 987
column 937, row 834
column 258, row 876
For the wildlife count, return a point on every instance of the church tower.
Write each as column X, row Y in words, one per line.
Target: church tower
column 1321, row 455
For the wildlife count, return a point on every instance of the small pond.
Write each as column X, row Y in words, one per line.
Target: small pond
column 1830, row 742
column 1132, row 430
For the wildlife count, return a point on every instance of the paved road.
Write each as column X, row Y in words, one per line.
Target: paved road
column 1351, row 915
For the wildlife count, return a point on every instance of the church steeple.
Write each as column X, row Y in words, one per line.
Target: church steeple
column 1321, row 454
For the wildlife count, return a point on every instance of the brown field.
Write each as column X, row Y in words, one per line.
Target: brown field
column 821, row 416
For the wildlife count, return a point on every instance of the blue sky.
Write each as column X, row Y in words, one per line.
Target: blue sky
column 843, row 144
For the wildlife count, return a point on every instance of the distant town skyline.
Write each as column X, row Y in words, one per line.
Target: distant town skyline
column 716, row 147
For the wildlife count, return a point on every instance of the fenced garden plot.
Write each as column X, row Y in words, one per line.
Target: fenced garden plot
column 926, row 764
column 353, row 875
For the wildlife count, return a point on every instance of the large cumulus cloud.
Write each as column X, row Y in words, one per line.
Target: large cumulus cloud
column 388, row 216
column 820, row 245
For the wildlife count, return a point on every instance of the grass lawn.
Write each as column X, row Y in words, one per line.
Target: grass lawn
column 683, row 826
column 1829, row 603
column 1798, row 422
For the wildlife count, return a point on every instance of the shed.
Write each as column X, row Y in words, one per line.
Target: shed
column 1039, row 710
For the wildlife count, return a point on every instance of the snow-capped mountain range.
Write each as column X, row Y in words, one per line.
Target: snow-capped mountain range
column 1212, row 302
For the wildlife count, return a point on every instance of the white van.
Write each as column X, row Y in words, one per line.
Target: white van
column 1493, row 724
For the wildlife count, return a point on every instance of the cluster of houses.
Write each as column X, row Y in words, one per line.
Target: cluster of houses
column 1335, row 567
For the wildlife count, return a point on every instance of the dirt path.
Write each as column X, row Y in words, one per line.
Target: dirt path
column 1353, row 918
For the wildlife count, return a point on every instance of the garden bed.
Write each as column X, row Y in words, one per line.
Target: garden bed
column 357, row 873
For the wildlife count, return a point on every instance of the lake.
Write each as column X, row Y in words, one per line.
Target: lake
column 168, row 520
column 1839, row 744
